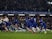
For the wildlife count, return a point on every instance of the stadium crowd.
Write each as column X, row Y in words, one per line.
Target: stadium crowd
column 22, row 23
column 25, row 5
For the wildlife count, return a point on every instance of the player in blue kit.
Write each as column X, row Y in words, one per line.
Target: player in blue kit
column 28, row 24
column 35, row 27
column 43, row 25
column 33, row 21
column 31, row 24
column 15, row 23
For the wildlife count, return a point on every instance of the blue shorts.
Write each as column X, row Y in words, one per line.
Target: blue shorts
column 1, row 28
column 1, row 24
column 43, row 25
column 7, row 23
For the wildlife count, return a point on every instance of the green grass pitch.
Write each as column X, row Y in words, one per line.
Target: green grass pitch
column 24, row 35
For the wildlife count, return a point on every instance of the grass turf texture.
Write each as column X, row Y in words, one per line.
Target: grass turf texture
column 24, row 35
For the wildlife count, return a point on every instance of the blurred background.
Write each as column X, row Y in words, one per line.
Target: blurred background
column 26, row 5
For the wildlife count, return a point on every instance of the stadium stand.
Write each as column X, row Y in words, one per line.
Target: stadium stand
column 25, row 5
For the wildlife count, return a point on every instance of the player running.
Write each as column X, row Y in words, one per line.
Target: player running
column 43, row 25
column 28, row 24
column 15, row 23
column 6, row 23
column 35, row 27
column 31, row 24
